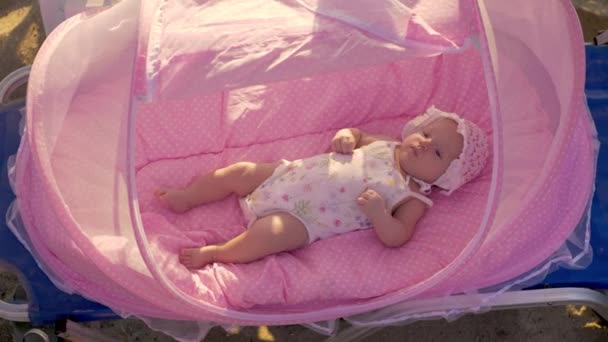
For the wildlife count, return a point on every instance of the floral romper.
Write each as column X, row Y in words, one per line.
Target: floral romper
column 321, row 191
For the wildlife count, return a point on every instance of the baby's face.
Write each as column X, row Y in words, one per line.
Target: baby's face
column 427, row 154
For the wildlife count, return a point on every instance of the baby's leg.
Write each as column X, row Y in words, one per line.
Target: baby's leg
column 240, row 178
column 268, row 235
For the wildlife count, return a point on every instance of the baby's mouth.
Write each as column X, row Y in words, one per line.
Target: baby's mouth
column 414, row 150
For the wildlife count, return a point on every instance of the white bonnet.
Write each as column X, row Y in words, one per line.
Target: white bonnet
column 471, row 161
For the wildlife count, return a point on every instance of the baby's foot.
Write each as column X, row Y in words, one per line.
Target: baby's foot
column 197, row 257
column 174, row 199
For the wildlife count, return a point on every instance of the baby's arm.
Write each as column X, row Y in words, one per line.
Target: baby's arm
column 364, row 138
column 393, row 230
column 348, row 139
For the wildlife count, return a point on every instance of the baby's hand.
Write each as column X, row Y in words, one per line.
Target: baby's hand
column 371, row 203
column 344, row 141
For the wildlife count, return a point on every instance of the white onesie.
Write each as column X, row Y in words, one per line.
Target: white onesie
column 322, row 191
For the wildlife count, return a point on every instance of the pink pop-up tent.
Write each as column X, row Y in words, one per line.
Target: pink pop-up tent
column 148, row 94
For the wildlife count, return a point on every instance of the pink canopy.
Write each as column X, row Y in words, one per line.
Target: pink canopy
column 148, row 94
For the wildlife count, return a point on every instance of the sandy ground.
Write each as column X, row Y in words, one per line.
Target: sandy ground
column 21, row 34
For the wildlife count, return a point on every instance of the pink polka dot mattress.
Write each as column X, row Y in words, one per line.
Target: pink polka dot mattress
column 162, row 91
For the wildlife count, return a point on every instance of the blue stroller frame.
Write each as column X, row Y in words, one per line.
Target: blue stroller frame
column 48, row 305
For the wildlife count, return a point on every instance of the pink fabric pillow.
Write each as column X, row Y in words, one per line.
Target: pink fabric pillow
column 289, row 120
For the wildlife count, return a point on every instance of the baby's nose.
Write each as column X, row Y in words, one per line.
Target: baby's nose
column 424, row 143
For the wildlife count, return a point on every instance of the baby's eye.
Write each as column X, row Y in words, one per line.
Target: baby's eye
column 437, row 153
column 425, row 134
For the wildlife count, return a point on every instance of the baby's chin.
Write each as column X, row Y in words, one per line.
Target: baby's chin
column 405, row 165
column 407, row 156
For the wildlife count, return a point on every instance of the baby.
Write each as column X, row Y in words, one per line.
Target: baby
column 367, row 181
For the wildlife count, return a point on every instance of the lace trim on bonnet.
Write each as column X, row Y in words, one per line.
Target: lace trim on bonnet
column 469, row 163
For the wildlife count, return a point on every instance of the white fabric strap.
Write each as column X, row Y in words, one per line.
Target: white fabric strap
column 422, row 198
column 424, row 187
